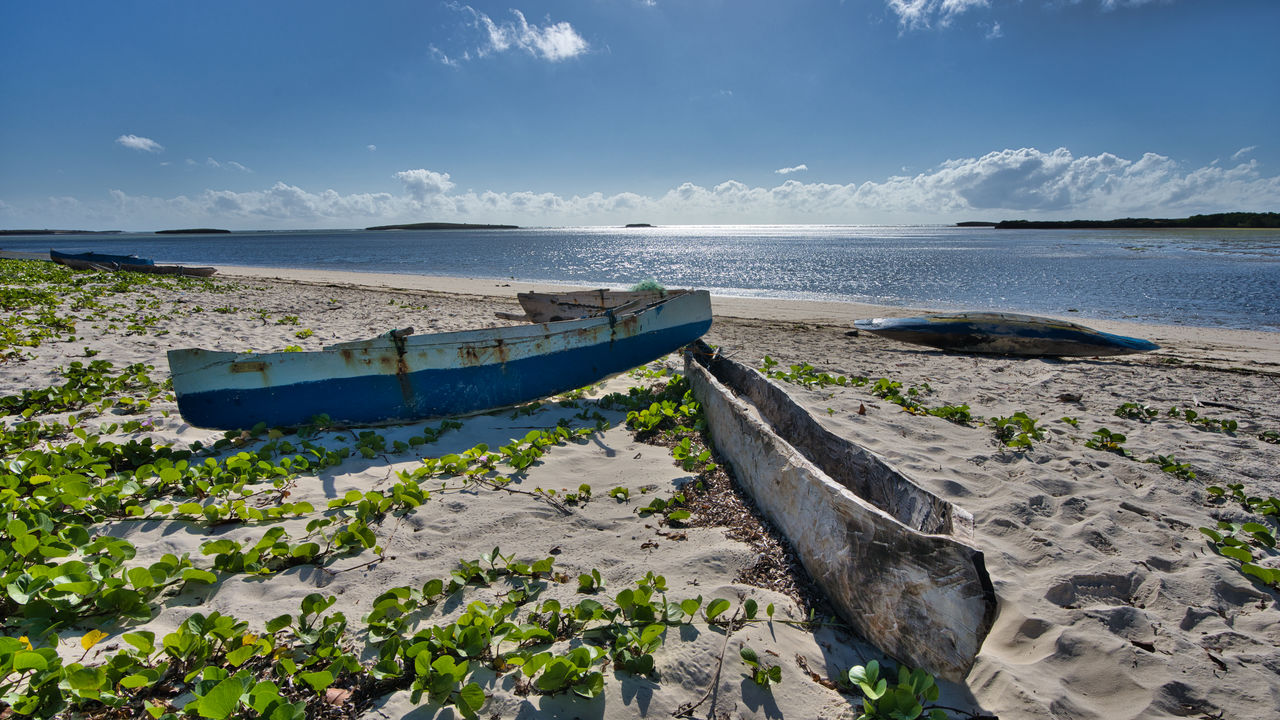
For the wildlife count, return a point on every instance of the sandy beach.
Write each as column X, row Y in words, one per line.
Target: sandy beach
column 1112, row 604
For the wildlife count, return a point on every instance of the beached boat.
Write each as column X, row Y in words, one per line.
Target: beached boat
column 99, row 258
column 399, row 376
column 895, row 560
column 552, row 307
column 1005, row 334
column 125, row 263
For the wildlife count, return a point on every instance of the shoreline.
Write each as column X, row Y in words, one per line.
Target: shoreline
column 1219, row 344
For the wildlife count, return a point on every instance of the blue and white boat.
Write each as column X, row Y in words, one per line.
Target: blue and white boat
column 96, row 258
column 401, row 377
column 1005, row 334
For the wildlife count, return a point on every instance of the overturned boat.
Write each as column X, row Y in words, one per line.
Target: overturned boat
column 895, row 560
column 1005, row 334
column 399, row 376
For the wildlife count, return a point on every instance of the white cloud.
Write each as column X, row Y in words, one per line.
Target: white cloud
column 423, row 185
column 226, row 165
column 134, row 142
column 372, row 147
column 1243, row 151
column 788, row 170
column 923, row 14
column 553, row 41
column 1005, row 184
column 995, row 31
column 916, row 14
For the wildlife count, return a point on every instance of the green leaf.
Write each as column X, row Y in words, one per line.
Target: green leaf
column 1239, row 553
column 318, row 680
column 29, row 660
column 198, row 575
column 716, row 607
column 470, row 699
column 222, row 700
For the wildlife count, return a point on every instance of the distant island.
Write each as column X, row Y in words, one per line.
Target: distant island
column 193, row 231
column 1217, row 220
column 59, row 232
column 443, row 226
column 638, row 225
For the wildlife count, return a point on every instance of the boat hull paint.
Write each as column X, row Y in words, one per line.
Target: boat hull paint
column 1005, row 334
column 386, row 380
column 894, row 560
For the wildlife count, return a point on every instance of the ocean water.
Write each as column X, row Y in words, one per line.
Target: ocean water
column 1226, row 278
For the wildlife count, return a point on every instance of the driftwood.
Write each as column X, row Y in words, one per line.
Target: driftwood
column 893, row 558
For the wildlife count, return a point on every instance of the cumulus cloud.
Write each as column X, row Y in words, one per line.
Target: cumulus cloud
column 1010, row 183
column 372, row 147
column 423, row 185
column 134, row 142
column 554, row 41
column 788, row 170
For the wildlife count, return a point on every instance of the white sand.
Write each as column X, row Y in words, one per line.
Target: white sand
column 1111, row 604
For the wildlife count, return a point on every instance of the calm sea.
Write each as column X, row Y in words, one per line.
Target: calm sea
column 1228, row 278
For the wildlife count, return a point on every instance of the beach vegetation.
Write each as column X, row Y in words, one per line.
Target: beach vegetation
column 761, row 673
column 1073, row 422
column 807, row 375
column 304, row 333
column 1170, row 464
column 904, row 700
column 1137, row 411
column 1225, row 425
column 958, row 414
column 1270, row 436
column 1108, row 441
column 1017, row 431
column 1245, row 543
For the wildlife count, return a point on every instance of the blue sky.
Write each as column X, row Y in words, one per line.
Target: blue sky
column 323, row 114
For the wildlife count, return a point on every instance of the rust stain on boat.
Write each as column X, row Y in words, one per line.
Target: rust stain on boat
column 248, row 366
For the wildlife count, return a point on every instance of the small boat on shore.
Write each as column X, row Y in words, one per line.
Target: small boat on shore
column 401, row 377
column 895, row 560
column 552, row 307
column 98, row 258
column 1005, row 334
column 125, row 263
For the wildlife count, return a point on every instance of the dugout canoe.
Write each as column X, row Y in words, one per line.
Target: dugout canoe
column 551, row 307
column 1005, row 334
column 896, row 561
column 400, row 377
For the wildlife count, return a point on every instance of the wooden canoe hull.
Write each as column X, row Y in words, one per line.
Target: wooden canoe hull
column 394, row 378
column 552, row 307
column 895, row 560
column 1005, row 334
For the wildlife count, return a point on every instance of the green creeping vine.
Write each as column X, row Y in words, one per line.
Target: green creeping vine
column 1205, row 423
column 40, row 300
column 1239, row 542
column 891, row 390
column 1017, row 431
column 903, row 701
